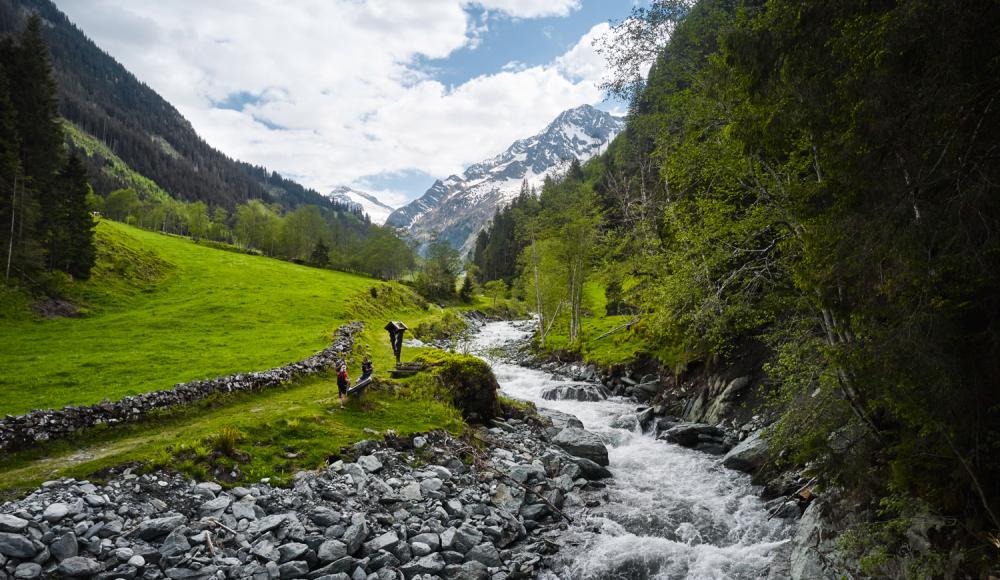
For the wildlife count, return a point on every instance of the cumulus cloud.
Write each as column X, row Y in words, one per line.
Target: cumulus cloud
column 330, row 92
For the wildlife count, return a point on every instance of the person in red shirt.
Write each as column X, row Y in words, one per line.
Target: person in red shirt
column 343, row 382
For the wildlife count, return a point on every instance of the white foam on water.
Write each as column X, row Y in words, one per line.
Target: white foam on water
column 671, row 512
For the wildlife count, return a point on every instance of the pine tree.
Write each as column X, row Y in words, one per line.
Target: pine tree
column 33, row 93
column 73, row 235
column 320, row 256
column 10, row 205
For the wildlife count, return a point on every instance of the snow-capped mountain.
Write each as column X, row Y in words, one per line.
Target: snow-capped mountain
column 366, row 202
column 458, row 207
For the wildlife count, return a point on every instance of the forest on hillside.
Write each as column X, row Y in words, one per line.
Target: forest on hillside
column 106, row 100
column 822, row 179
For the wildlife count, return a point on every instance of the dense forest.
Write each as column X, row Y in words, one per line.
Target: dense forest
column 821, row 178
column 44, row 207
column 104, row 99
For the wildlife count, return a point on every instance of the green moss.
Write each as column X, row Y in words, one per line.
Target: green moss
column 466, row 381
column 447, row 325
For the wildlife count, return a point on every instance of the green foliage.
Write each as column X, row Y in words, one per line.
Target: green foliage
column 467, row 382
column 436, row 278
column 446, row 326
column 803, row 173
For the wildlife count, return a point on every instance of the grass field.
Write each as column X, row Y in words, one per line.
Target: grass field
column 163, row 310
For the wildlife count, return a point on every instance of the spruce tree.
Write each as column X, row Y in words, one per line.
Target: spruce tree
column 10, row 204
column 320, row 256
column 73, row 234
column 33, row 94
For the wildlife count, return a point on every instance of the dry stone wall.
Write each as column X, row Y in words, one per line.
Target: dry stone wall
column 18, row 432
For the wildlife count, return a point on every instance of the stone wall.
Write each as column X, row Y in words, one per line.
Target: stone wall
column 18, row 432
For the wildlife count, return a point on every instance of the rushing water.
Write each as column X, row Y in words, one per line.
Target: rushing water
column 671, row 512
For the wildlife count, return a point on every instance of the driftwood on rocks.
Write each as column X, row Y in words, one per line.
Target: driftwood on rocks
column 21, row 431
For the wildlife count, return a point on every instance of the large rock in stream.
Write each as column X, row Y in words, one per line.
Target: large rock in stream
column 576, row 392
column 749, row 455
column 582, row 443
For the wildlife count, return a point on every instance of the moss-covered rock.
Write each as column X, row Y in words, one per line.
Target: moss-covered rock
column 469, row 383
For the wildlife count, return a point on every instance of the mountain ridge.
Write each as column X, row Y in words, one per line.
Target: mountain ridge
column 106, row 100
column 459, row 206
column 362, row 201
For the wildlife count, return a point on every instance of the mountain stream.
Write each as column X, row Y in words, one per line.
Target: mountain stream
column 669, row 512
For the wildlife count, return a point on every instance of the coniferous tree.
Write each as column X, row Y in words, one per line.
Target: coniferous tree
column 73, row 235
column 11, row 205
column 320, row 255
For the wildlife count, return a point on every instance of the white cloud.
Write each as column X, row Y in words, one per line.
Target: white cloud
column 582, row 62
column 339, row 78
column 530, row 8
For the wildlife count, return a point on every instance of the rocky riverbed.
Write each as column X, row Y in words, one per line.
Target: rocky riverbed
column 426, row 506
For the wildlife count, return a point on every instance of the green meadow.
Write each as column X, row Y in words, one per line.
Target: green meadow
column 160, row 310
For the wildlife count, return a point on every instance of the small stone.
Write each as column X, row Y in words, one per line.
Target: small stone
column 432, row 564
column 420, row 549
column 382, row 542
column 431, row 539
column 28, row 570
column 137, row 561
column 331, row 550
column 485, row 553
column 370, row 463
column 77, row 567
column 411, row 491
column 159, row 527
column 94, row 500
column 11, row 523
column 419, row 442
column 55, row 512
column 294, row 569
column 16, row 546
column 64, row 547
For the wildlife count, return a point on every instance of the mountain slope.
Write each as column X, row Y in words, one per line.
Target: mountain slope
column 107, row 101
column 458, row 207
column 360, row 201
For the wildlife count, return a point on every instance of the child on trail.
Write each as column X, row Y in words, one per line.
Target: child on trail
column 343, row 382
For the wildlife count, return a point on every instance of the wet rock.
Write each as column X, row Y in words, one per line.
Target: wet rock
column 582, row 443
column 582, row 392
column 590, row 470
column 561, row 420
column 749, row 455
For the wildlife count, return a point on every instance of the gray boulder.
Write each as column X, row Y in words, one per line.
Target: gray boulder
column 749, row 455
column 78, row 567
column 159, row 527
column 486, row 554
column 432, row 564
column 16, row 546
column 579, row 392
column 64, row 547
column 582, row 443
column 12, row 523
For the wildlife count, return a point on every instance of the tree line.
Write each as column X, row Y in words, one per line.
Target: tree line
column 821, row 178
column 47, row 224
column 337, row 238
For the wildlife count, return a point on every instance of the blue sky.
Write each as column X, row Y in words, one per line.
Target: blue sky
column 383, row 95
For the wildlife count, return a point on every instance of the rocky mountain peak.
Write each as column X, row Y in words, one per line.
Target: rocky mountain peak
column 458, row 207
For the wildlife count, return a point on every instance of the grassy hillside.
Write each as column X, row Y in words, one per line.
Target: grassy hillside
column 162, row 310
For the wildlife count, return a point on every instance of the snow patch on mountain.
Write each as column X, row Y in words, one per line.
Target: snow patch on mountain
column 377, row 211
column 458, row 207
